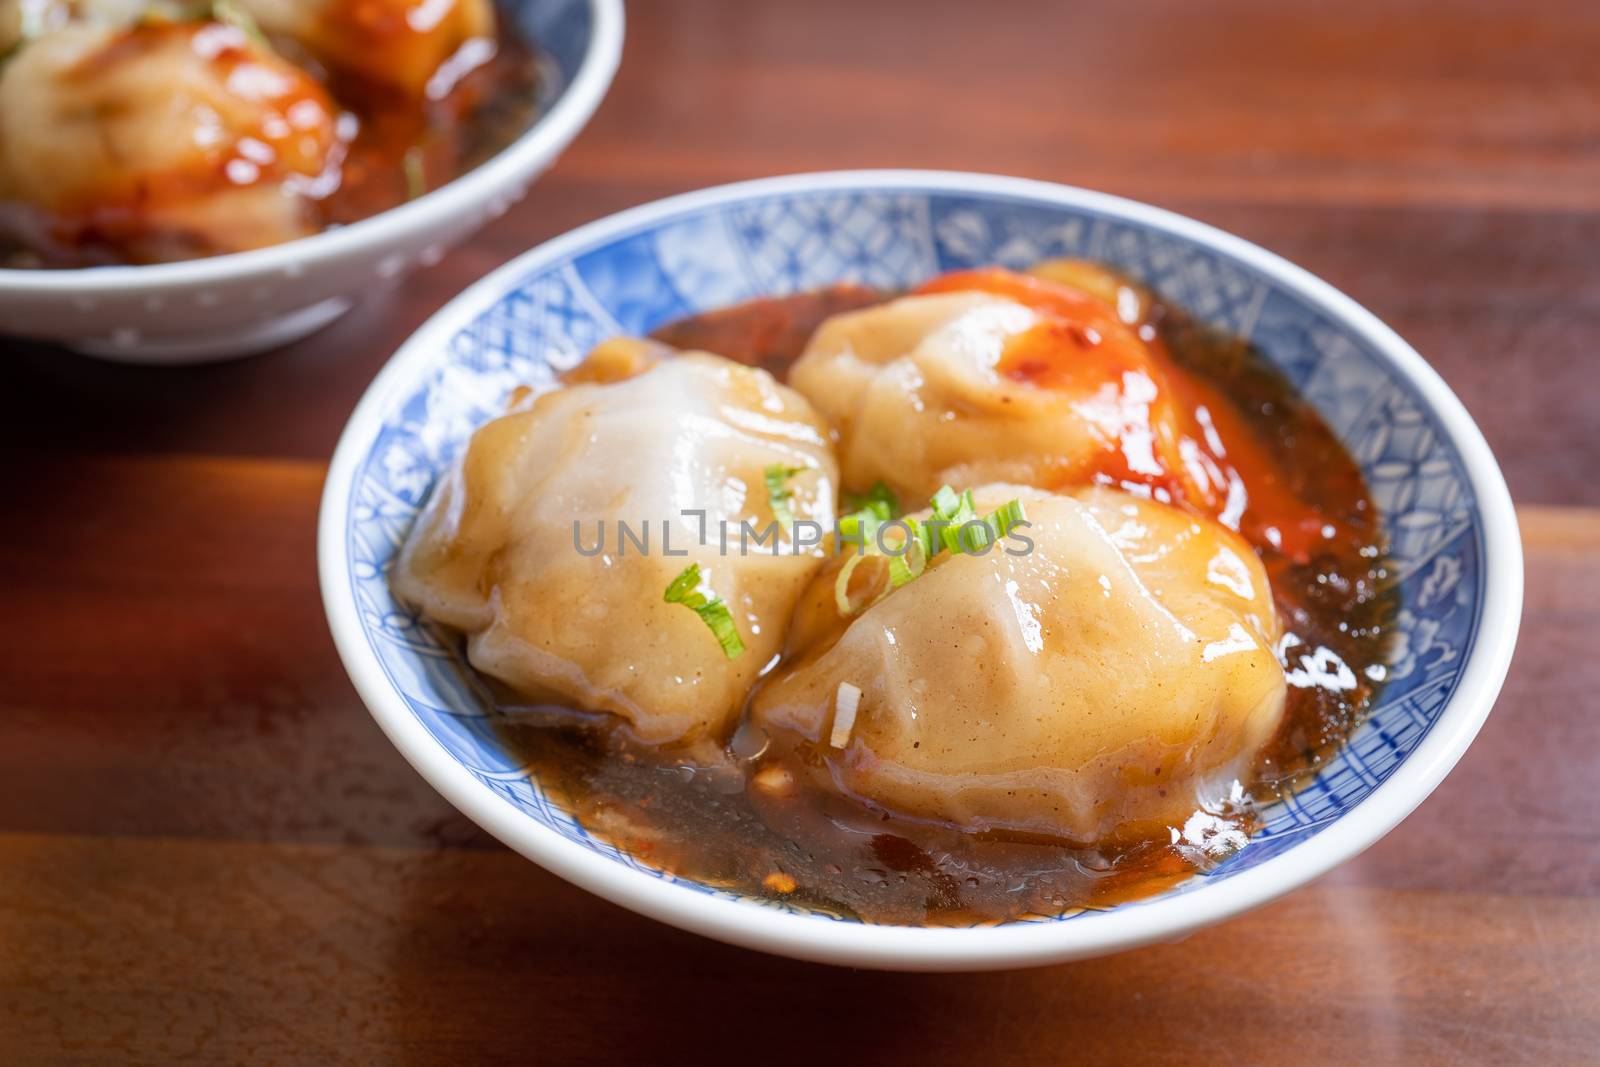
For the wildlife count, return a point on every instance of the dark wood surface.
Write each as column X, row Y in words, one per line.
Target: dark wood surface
column 209, row 852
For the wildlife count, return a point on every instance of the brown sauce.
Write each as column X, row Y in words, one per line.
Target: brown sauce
column 754, row 825
column 405, row 147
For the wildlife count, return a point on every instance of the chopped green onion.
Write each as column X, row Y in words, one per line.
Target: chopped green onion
column 859, row 526
column 684, row 584
column 954, row 512
column 779, row 493
column 952, row 516
column 878, row 501
column 996, row 525
column 867, row 512
column 1007, row 517
column 717, row 616
column 229, row 13
column 685, row 590
column 909, row 564
column 841, row 587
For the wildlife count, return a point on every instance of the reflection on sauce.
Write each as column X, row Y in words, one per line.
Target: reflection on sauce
column 757, row 826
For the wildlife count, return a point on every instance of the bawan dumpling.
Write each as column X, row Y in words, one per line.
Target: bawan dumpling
column 1107, row 684
column 162, row 141
column 998, row 377
column 520, row 547
column 399, row 44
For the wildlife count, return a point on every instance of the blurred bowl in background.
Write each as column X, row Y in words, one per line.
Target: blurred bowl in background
column 227, row 306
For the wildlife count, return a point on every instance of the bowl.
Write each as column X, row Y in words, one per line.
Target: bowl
column 228, row 306
column 1445, row 506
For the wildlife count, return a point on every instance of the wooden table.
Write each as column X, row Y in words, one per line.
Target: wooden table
column 208, row 851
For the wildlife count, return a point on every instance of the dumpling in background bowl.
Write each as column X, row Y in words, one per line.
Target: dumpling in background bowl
column 161, row 142
column 213, row 162
column 403, row 45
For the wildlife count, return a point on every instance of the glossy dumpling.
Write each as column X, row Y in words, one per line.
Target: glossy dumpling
column 963, row 388
column 401, row 44
column 496, row 556
column 1105, row 685
column 162, row 141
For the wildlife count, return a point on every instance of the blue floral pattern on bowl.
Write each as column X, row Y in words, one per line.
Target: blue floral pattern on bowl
column 758, row 245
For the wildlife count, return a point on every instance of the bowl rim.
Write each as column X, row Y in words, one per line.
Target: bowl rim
column 535, row 147
column 752, row 925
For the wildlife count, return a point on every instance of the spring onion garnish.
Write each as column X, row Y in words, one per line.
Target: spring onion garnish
column 841, row 587
column 685, row 590
column 954, row 525
column 878, row 500
column 229, row 13
column 779, row 493
column 945, row 502
column 866, row 512
column 1005, row 518
column 908, row 563
column 953, row 512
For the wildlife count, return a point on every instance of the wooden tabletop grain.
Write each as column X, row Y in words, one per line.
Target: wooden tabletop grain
column 208, row 851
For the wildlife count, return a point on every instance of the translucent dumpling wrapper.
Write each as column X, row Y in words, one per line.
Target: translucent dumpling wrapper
column 1054, row 382
column 512, row 552
column 1106, row 684
column 965, row 388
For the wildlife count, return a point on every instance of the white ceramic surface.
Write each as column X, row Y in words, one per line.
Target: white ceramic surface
column 235, row 305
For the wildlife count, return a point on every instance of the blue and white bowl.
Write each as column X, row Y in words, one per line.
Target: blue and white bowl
column 1444, row 502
